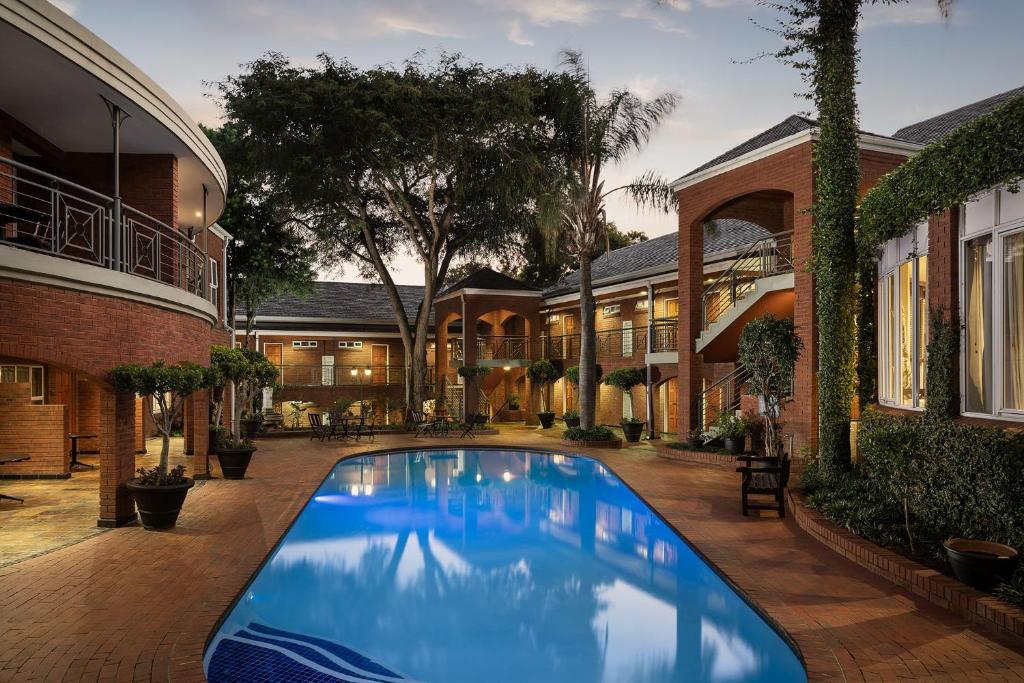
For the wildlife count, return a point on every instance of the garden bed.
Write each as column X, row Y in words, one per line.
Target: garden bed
column 596, row 443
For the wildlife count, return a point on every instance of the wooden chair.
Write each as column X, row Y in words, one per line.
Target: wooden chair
column 469, row 425
column 764, row 476
column 365, row 428
column 424, row 425
column 320, row 430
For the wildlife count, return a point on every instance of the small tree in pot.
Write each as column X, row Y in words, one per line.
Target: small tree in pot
column 769, row 348
column 543, row 373
column 250, row 372
column 625, row 379
column 159, row 493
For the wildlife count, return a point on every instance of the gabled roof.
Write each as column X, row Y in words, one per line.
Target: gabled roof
column 719, row 235
column 357, row 301
column 936, row 127
column 791, row 126
column 485, row 278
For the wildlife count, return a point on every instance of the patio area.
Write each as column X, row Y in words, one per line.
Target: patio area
column 127, row 604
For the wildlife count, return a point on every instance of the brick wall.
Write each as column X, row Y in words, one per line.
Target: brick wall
column 34, row 430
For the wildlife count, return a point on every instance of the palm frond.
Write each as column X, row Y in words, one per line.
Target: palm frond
column 649, row 190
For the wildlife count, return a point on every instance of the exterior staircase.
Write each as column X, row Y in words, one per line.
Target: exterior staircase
column 722, row 396
column 758, row 281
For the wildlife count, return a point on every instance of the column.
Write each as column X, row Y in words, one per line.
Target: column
column 691, row 290
column 117, row 457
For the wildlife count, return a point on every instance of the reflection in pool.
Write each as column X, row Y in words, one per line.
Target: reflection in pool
column 494, row 566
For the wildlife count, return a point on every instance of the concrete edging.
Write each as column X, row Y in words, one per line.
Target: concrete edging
column 941, row 590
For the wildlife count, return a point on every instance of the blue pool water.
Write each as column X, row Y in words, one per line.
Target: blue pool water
column 483, row 566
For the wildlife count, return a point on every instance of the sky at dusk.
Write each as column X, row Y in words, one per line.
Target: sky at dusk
column 914, row 64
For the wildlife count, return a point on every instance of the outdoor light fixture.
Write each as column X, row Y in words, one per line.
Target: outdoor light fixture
column 367, row 372
column 507, row 368
column 354, row 372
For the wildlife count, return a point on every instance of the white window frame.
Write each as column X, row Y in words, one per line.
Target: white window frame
column 611, row 310
column 305, row 344
column 350, row 345
column 214, row 281
column 35, row 399
column 888, row 275
column 998, row 232
column 627, row 338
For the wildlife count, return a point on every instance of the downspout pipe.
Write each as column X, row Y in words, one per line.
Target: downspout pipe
column 650, row 369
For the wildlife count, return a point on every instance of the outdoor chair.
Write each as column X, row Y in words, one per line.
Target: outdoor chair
column 424, row 424
column 764, row 476
column 7, row 460
column 320, row 430
column 469, row 425
column 365, row 428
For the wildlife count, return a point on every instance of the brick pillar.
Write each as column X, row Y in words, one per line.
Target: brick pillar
column 117, row 457
column 944, row 275
column 199, row 420
column 470, row 398
column 691, row 289
column 187, row 431
column 531, row 400
column 801, row 416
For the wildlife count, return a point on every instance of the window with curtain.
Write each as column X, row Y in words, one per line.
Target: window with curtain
column 903, row 322
column 978, row 324
column 1013, row 321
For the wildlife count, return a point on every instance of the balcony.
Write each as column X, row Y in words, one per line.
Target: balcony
column 47, row 214
column 508, row 349
column 344, row 375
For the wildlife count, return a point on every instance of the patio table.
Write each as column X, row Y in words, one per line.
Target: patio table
column 7, row 460
column 74, row 449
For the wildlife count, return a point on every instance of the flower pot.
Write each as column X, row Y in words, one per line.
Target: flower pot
column 981, row 564
column 159, row 505
column 234, row 461
column 546, row 419
column 633, row 431
column 571, row 422
column 734, row 446
column 249, row 427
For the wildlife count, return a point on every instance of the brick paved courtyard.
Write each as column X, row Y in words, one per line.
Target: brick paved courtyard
column 130, row 605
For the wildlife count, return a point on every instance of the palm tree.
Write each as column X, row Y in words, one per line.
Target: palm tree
column 590, row 134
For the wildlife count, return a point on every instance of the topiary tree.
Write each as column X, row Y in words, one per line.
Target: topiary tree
column 248, row 370
column 543, row 373
column 169, row 386
column 225, row 364
column 769, row 348
column 625, row 379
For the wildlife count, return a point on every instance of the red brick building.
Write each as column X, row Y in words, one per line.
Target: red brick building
column 105, row 258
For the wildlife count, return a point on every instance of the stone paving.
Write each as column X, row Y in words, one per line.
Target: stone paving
column 131, row 605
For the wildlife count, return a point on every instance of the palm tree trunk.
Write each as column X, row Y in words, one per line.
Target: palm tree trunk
column 588, row 348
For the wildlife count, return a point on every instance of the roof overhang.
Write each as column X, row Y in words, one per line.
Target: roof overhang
column 876, row 143
column 53, row 72
column 487, row 292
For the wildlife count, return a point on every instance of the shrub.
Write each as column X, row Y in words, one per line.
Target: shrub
column 923, row 481
column 542, row 373
column 595, row 434
column 728, row 426
column 571, row 414
column 769, row 348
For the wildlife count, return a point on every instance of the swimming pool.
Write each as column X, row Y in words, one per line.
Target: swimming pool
column 494, row 566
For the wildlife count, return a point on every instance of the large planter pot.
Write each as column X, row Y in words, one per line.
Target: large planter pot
column 159, row 505
column 234, row 461
column 633, row 431
column 249, row 428
column 571, row 422
column 546, row 419
column 981, row 564
column 734, row 446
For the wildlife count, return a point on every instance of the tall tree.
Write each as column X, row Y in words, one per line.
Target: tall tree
column 821, row 41
column 270, row 253
column 433, row 159
column 543, row 263
column 590, row 133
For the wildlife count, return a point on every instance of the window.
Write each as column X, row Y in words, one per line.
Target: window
column 627, row 338
column 612, row 310
column 350, row 345
column 992, row 304
column 304, row 344
column 31, row 375
column 554, row 319
column 903, row 320
column 641, row 305
column 214, row 281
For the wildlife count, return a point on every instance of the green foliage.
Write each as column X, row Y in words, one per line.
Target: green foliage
column 544, row 264
column 598, row 433
column 571, row 414
column 180, row 379
column 573, row 375
column 931, row 479
column 942, row 383
column 728, row 426
column 342, row 405
column 542, row 372
column 769, row 348
column 472, row 372
column 624, row 379
column 154, row 477
column 973, row 158
column 867, row 335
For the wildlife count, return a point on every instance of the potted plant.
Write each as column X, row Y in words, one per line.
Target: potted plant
column 157, row 492
column 571, row 417
column 234, row 454
column 543, row 373
column 732, row 430
column 250, row 372
column 769, row 348
column 625, row 379
column 981, row 564
column 513, row 402
column 254, row 373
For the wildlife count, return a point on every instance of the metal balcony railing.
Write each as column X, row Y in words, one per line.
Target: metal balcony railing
column 770, row 256
column 664, row 332
column 45, row 213
column 340, row 375
column 502, row 347
column 620, row 343
column 722, row 396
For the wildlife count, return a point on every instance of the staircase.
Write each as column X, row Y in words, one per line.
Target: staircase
column 722, row 396
column 754, row 283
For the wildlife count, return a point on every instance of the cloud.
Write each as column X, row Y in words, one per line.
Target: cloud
column 66, row 6
column 399, row 23
column 917, row 12
column 548, row 12
column 660, row 17
column 515, row 33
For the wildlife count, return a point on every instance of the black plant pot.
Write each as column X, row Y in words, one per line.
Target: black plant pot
column 546, row 419
column 734, row 446
column 633, row 431
column 159, row 505
column 571, row 422
column 981, row 564
column 234, row 461
column 249, row 428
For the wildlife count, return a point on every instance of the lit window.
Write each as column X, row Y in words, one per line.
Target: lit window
column 214, row 281
column 903, row 321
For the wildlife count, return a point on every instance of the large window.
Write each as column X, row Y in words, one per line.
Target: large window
column 31, row 375
column 903, row 320
column 992, row 304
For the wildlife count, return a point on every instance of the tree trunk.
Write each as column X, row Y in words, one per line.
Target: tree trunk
column 588, row 350
column 165, row 450
column 837, row 175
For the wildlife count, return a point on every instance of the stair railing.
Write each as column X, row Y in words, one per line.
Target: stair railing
column 769, row 256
